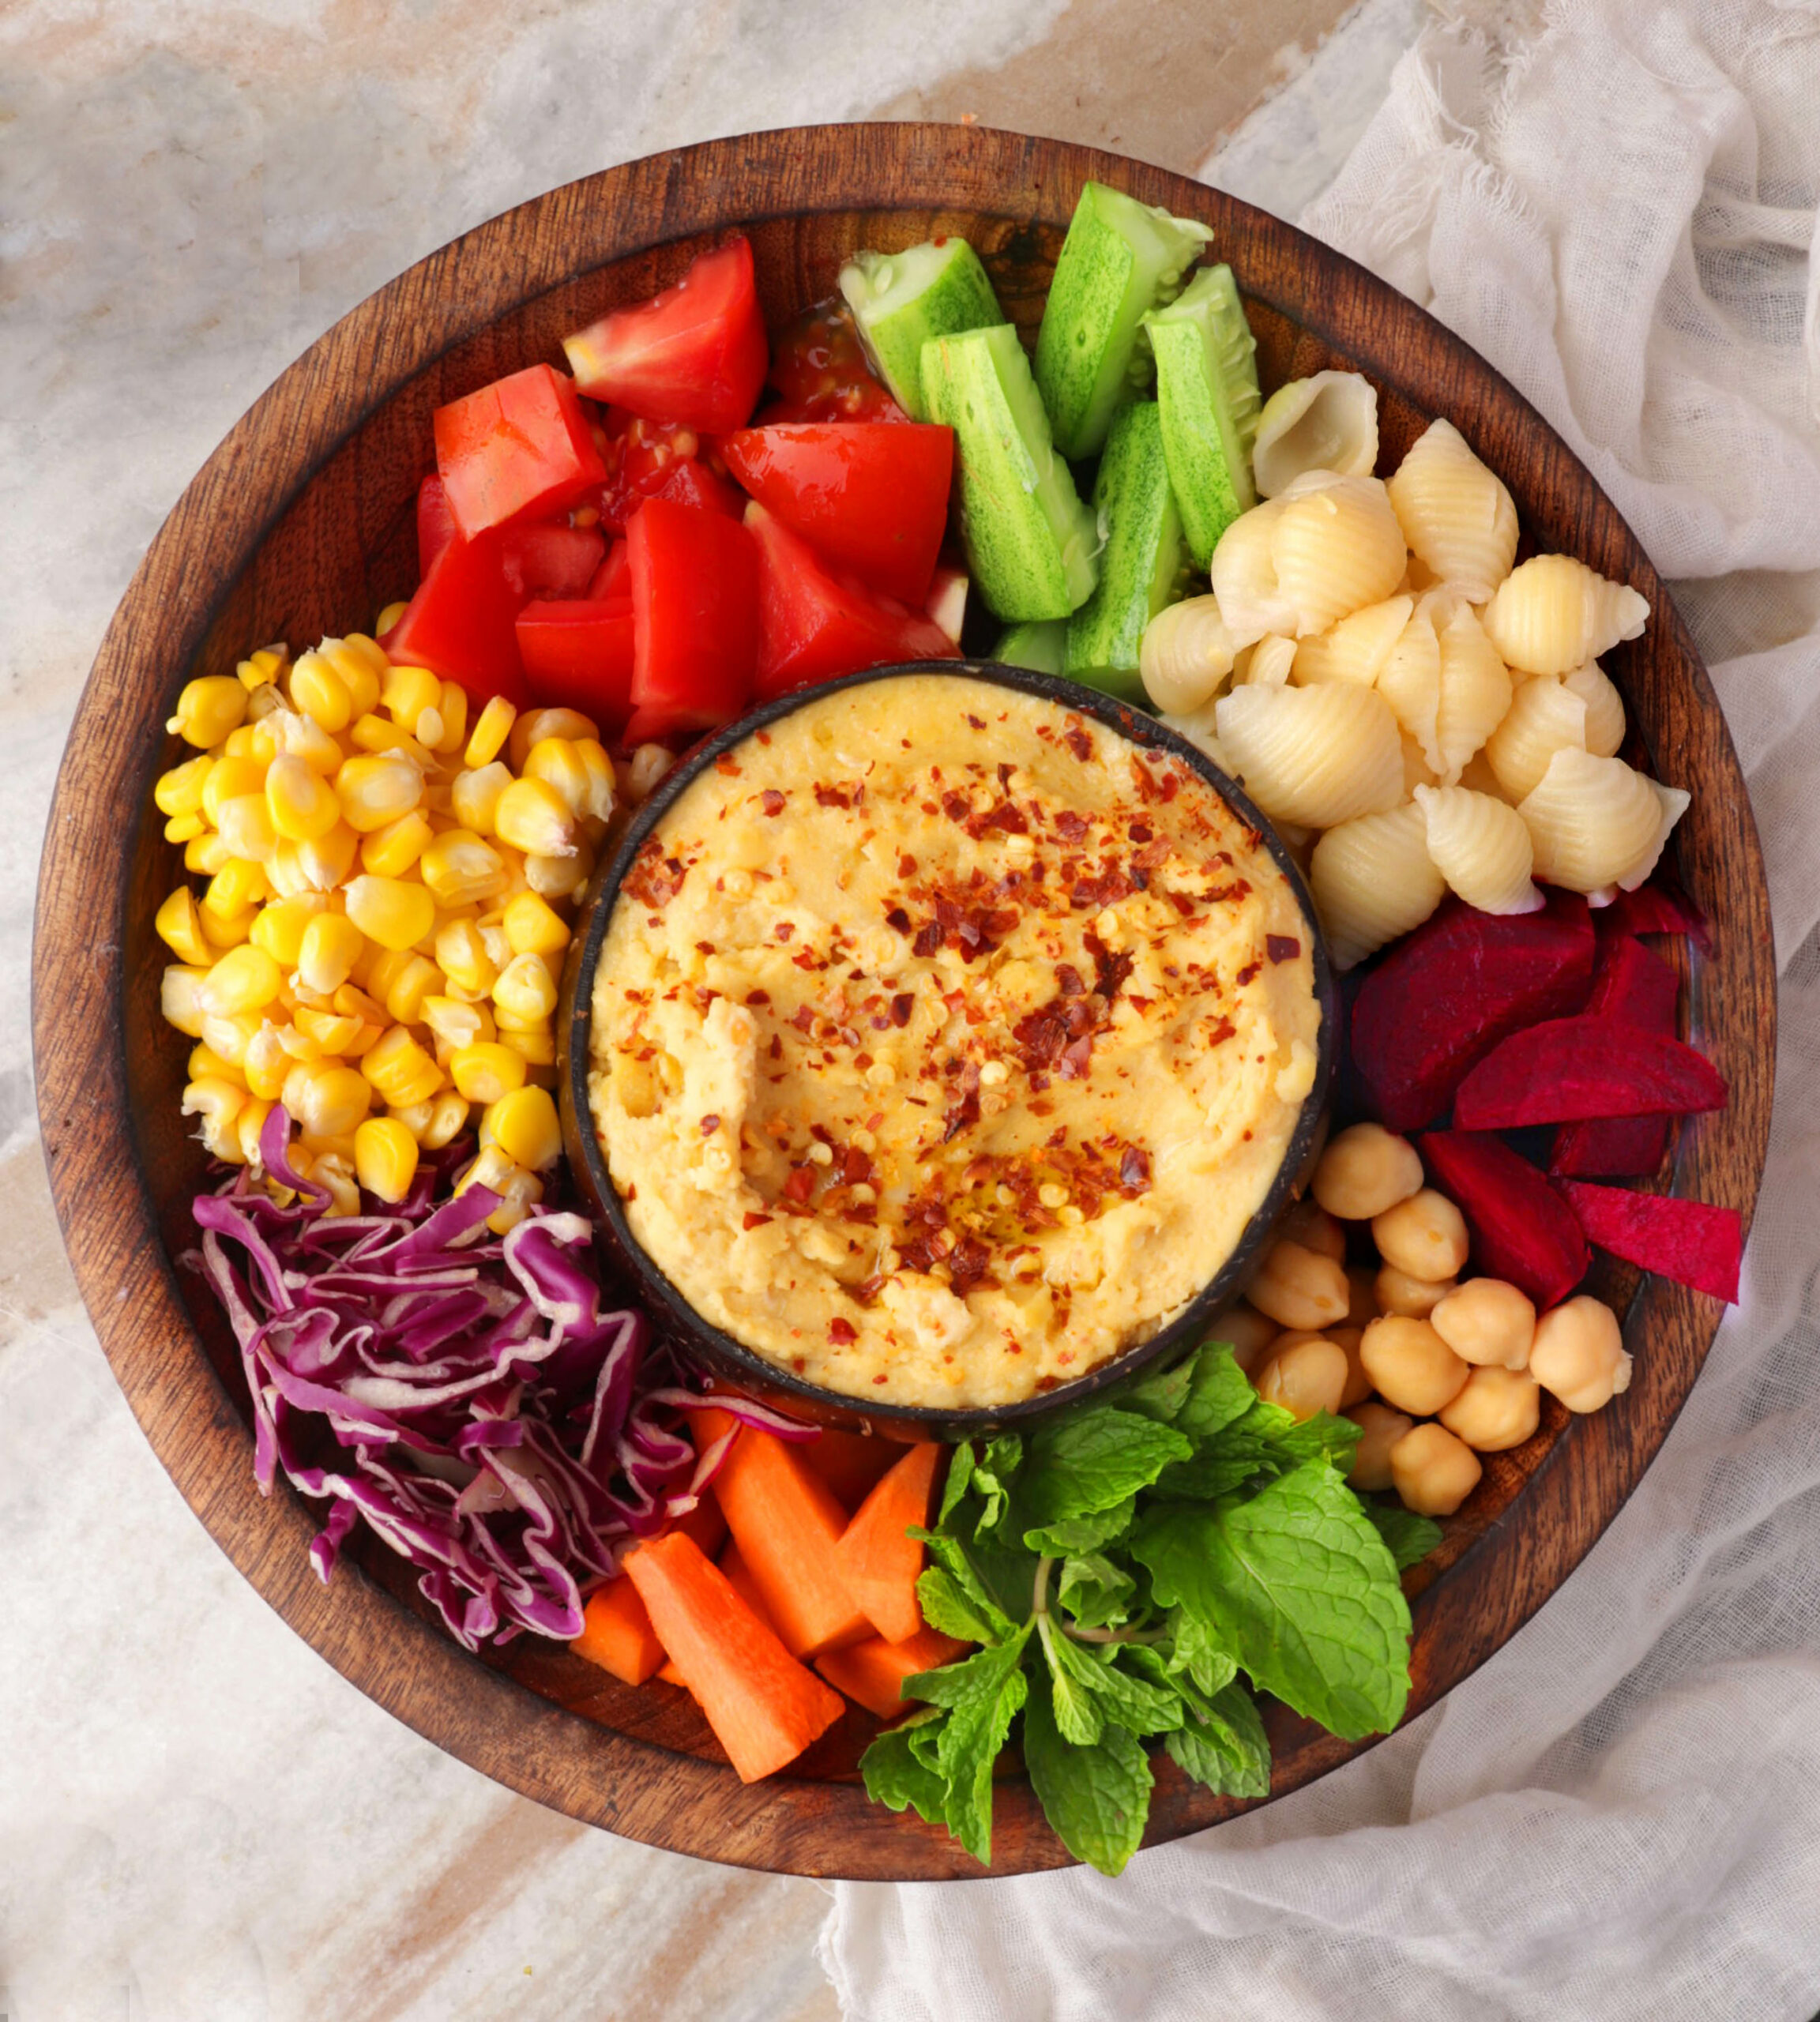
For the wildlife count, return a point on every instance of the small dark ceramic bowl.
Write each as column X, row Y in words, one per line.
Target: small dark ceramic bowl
column 730, row 1359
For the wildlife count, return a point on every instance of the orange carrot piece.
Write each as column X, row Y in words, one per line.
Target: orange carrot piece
column 872, row 1672
column 739, row 1578
column 850, row 1464
column 617, row 1635
column 878, row 1561
column 765, row 1707
column 667, row 1671
column 705, row 1524
column 787, row 1523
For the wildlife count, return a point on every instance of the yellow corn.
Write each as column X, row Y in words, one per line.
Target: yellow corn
column 302, row 805
column 281, row 925
column 387, row 910
column 532, row 816
column 537, row 724
column 559, row 877
column 535, row 1047
column 179, row 791
column 533, row 928
column 460, row 869
column 352, row 1002
column 228, row 780
column 603, row 787
column 331, row 944
column 304, row 738
column 430, row 728
column 453, row 710
column 390, row 851
column 402, row 1071
column 390, row 615
column 461, row 955
column 375, row 734
column 266, row 1061
column 248, row 1126
column 208, row 709
column 231, row 1036
column 474, row 797
column 206, row 1063
column 246, row 826
column 235, row 887
column 206, row 855
column 486, row 1071
column 326, row 1100
column 517, row 1189
column 414, row 979
column 491, row 728
column 222, row 933
column 557, row 761
column 457, row 1024
column 260, row 669
column 179, row 1000
column 245, row 979
column 298, row 1044
column 179, row 925
column 407, row 692
column 376, row 788
column 185, row 829
column 332, row 1032
column 386, row 1158
column 245, row 743
column 321, row 693
column 334, row 1171
column 447, row 1119
column 526, row 990
column 415, row 1118
column 263, row 702
column 321, row 863
column 524, row 1126
column 354, row 660
column 218, row 1102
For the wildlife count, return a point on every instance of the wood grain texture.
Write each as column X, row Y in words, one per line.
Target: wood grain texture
column 301, row 523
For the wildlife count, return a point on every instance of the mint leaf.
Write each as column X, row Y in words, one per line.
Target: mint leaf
column 1092, row 1460
column 1411, row 1537
column 993, row 1470
column 959, row 1474
column 895, row 1776
column 969, row 1678
column 1195, row 1648
column 1075, row 1534
column 1322, row 1437
column 1225, row 1463
column 1008, row 1571
column 1298, row 1584
column 947, row 1607
column 1219, row 1395
column 985, row 1690
column 1222, row 1744
column 1097, row 1797
column 1094, row 1591
column 1162, row 1396
column 1136, row 1703
column 1078, row 1715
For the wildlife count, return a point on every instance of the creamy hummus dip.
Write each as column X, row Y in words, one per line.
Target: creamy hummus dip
column 944, row 1043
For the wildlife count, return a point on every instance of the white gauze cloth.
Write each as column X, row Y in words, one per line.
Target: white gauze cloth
column 1619, row 1816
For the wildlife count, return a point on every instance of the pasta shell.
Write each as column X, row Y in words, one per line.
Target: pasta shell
column 1456, row 514
column 1593, row 821
column 1335, row 548
column 1673, row 803
column 1475, row 691
column 1328, row 423
column 1244, row 577
column 1410, row 682
column 1197, row 726
column 1315, row 756
column 1185, row 654
column 1478, row 777
column 1555, row 614
column 1605, row 709
column 1417, row 772
column 1544, row 717
column 1481, row 846
column 1267, row 664
column 1355, row 648
column 1372, row 879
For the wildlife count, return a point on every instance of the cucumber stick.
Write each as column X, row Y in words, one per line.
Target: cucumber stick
column 1207, row 388
column 1133, row 500
column 1031, row 543
column 1042, row 647
column 1121, row 258
column 900, row 300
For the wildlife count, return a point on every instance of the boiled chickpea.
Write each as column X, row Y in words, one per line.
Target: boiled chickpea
column 1498, row 1407
column 1300, row 1287
column 1304, row 1374
column 1578, row 1354
column 1413, row 1368
column 1424, row 1235
column 1357, row 1379
column 1433, row 1472
column 1414, row 1298
column 1246, row 1331
column 1364, row 1172
column 1487, row 1322
column 1383, row 1427
column 1314, row 1229
column 1362, row 1282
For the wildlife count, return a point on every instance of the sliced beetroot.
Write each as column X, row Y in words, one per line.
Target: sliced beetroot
column 1685, row 1240
column 1659, row 907
column 1568, row 1068
column 1637, row 987
column 1521, row 1230
column 1441, row 1002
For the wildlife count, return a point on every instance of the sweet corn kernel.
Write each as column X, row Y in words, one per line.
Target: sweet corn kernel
column 218, row 1102
column 526, row 990
column 231, row 1037
column 179, row 999
column 322, row 863
column 407, row 692
column 535, row 1046
column 386, row 1158
column 247, row 1127
column 281, row 925
column 649, row 763
column 331, row 944
column 532, row 816
column 390, row 615
column 359, row 676
column 402, row 1071
column 206, row 1063
column 263, row 702
column 302, row 805
column 325, row 1100
column 235, row 887
column 461, row 955
column 179, row 924
column 461, row 869
column 558, row 763
column 524, row 1126
column 260, row 669
column 603, row 788
column 185, row 829
column 266, row 1063
column 559, row 877
column 298, row 1044
column 449, row 1115
column 390, row 851
column 415, row 1118
column 223, row 933
column 537, row 724
column 485, row 1072
column 533, row 928
column 334, row 1171
column 206, row 855
column 376, row 733
column 332, row 1032
column 491, row 728
column 228, row 779
column 246, row 826
column 208, row 709
column 517, row 1189
column 245, row 978
column 376, row 788
column 321, row 694
column 474, row 797
column 457, row 1024
column 370, row 650
column 242, row 743
column 387, row 910
column 290, row 731
column 407, row 986
column 453, row 710
column 430, row 728
column 353, row 1002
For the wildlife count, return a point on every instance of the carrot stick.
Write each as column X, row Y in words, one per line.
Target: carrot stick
column 872, row 1672
column 616, row 1633
column 787, row 1523
column 852, row 1465
column 878, row 1561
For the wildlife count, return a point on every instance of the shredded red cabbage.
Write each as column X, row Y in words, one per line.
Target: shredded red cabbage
column 508, row 1438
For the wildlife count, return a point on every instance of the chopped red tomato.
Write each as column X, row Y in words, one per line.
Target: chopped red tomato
column 813, row 626
column 614, row 577
column 578, row 655
column 553, row 559
column 694, row 354
column 695, row 605
column 459, row 624
column 519, row 446
column 435, row 523
column 658, row 460
column 819, row 373
column 871, row 497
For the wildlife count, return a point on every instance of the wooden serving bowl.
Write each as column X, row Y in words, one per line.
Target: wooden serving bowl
column 302, row 524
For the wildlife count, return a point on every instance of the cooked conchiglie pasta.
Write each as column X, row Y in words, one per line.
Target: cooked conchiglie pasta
column 1554, row 613
column 1328, row 422
column 1186, row 654
column 1671, row 802
column 1605, row 709
column 1355, row 648
column 1456, row 514
column 1410, row 682
column 1594, row 822
column 1481, row 846
column 1372, row 879
column 1197, row 727
column 1475, row 691
column 1478, row 777
column 1315, row 756
column 1417, row 772
column 1335, row 548
column 1267, row 663
column 1544, row 716
column 1244, row 577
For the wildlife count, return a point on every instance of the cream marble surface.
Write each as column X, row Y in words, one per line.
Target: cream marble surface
column 199, row 1821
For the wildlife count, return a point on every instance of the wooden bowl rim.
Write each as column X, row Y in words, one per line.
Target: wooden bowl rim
column 105, row 1203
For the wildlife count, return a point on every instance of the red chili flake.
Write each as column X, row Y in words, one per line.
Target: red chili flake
column 803, row 1019
column 783, row 930
column 881, row 1378
column 879, row 1025
column 1047, row 1382
column 772, row 801
column 1077, row 1059
column 1071, row 826
column 856, row 1168
column 1006, row 818
column 833, row 797
column 1221, row 1032
column 749, row 1220
column 725, row 765
column 1181, row 901
column 906, row 865
column 1068, row 981
column 1143, row 778
column 928, row 939
column 1141, row 831
column 897, row 920
column 956, row 806
column 842, row 1332
column 964, row 1113
column 776, row 1050
column 902, row 1004
column 1139, row 1003
column 1247, row 974
column 709, row 1125
column 1282, row 947
column 797, row 1363
column 929, row 807
column 977, row 722
column 800, row 1184
column 757, row 996
column 704, row 947
column 1134, row 1169
column 632, row 1192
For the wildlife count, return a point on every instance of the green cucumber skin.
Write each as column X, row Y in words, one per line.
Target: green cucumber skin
column 956, row 296
column 1030, row 541
column 1120, row 258
column 1207, row 388
column 1042, row 647
column 1135, row 501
